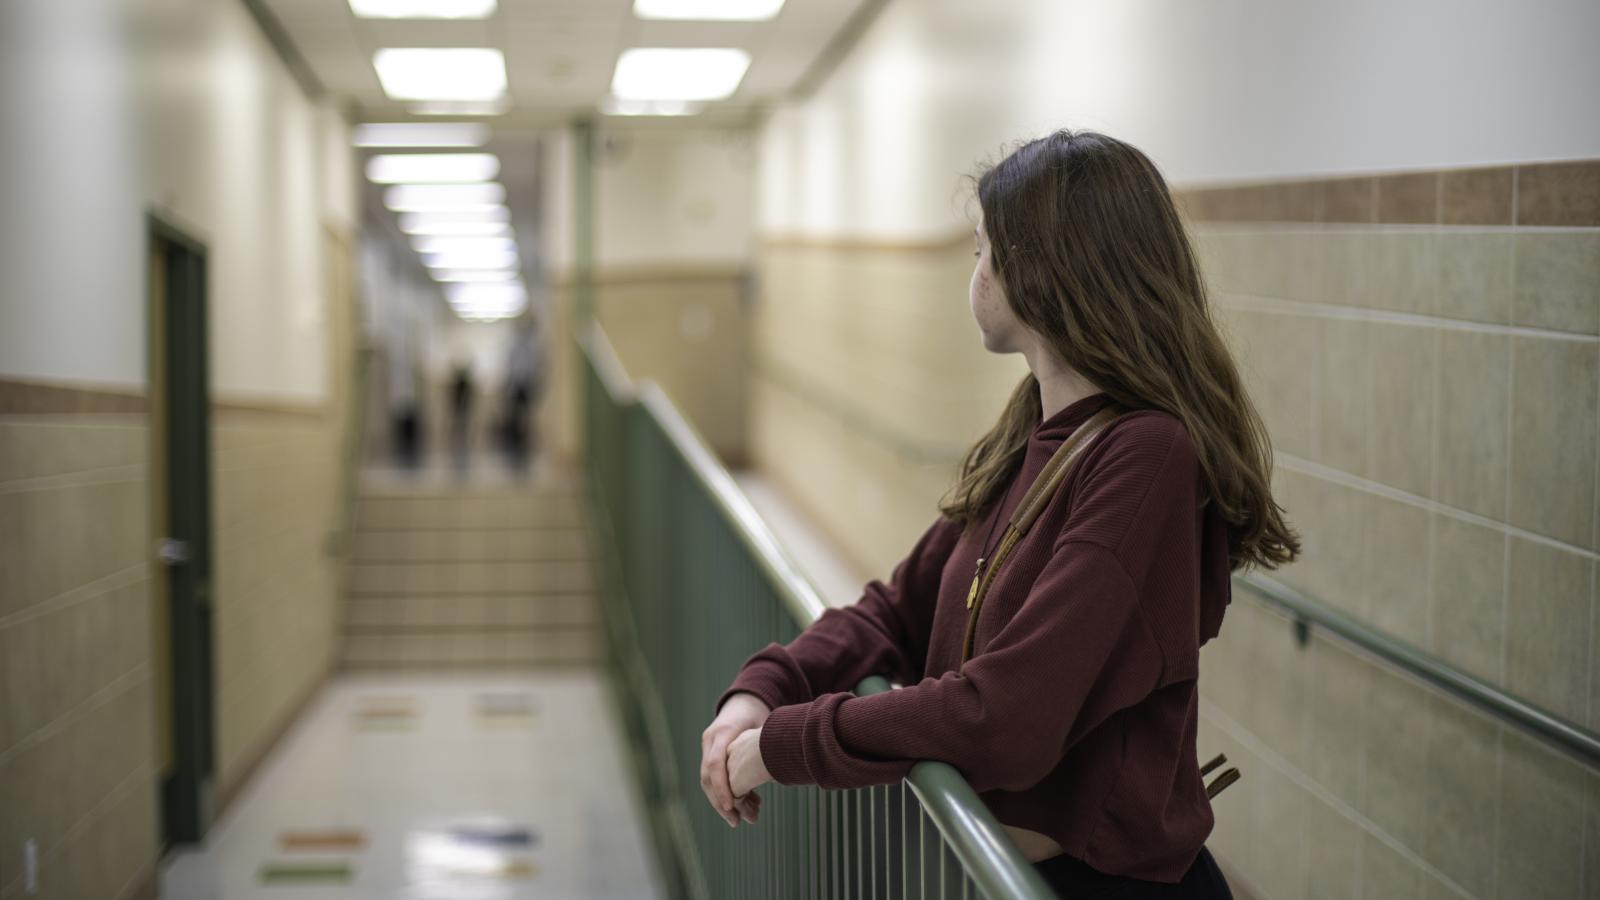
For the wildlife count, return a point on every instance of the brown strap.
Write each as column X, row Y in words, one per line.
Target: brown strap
column 1033, row 503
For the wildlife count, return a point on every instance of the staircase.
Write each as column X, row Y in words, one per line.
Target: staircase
column 474, row 575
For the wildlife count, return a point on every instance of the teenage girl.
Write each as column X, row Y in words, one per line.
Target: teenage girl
column 1047, row 626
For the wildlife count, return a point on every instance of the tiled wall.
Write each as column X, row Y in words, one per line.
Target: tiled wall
column 78, row 720
column 275, row 506
column 687, row 328
column 77, row 752
column 1425, row 348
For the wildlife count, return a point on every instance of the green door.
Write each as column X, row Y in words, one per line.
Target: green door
column 181, row 475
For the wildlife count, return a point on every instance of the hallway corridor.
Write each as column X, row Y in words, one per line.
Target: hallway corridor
column 431, row 787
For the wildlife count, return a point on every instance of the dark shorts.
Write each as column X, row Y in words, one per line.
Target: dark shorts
column 1073, row 879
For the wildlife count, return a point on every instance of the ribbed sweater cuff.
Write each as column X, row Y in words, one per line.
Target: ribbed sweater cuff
column 762, row 677
column 782, row 750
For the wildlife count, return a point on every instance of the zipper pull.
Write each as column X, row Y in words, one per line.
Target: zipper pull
column 972, row 592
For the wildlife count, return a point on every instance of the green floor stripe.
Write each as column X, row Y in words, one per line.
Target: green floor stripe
column 302, row 873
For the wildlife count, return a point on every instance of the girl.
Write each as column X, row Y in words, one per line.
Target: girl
column 1051, row 648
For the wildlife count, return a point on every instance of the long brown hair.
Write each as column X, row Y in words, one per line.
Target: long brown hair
column 1088, row 245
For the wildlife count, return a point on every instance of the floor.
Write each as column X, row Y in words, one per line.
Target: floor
column 427, row 787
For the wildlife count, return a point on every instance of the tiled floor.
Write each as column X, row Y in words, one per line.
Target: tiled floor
column 438, row 779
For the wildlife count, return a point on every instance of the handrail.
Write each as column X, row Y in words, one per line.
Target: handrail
column 988, row 856
column 1567, row 736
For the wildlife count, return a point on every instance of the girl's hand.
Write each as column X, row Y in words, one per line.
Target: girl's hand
column 746, row 771
column 742, row 712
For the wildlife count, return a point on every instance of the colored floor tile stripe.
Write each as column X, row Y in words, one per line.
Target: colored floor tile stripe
column 499, row 837
column 333, row 839
column 336, row 872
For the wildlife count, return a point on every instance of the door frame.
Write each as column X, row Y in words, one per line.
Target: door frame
column 181, row 484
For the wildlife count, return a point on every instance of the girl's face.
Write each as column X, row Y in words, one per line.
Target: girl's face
column 997, row 324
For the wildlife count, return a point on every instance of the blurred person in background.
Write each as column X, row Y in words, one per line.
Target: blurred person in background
column 1049, row 648
column 524, row 383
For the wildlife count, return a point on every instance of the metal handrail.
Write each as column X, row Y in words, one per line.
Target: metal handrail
column 977, row 839
column 1569, row 737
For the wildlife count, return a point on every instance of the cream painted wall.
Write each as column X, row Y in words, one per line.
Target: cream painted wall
column 179, row 106
column 1213, row 92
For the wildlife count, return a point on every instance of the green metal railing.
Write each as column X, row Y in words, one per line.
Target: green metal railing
column 1569, row 737
column 692, row 581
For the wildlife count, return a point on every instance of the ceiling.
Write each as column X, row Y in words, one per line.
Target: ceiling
column 559, row 53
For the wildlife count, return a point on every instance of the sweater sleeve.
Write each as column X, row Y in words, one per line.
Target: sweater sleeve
column 884, row 633
column 1077, row 650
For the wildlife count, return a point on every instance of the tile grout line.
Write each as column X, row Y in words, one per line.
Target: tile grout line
column 1286, row 306
column 106, row 694
column 1308, row 467
column 105, row 584
column 1273, row 759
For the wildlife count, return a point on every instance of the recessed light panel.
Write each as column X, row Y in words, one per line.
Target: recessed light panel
column 708, row 10
column 441, row 73
column 678, row 73
column 432, row 168
column 475, row 199
column 421, row 134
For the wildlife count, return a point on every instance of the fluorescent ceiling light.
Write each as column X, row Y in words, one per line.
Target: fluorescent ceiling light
column 441, row 73
column 452, row 229
column 432, row 168
column 422, row 9
column 460, row 107
column 675, row 73
column 480, row 299
column 431, row 244
column 422, row 134
column 440, row 198
column 708, row 10
column 613, row 106
column 473, row 275
column 493, row 259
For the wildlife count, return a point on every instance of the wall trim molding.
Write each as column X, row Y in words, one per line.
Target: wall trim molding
column 646, row 273
column 26, row 397
column 20, row 396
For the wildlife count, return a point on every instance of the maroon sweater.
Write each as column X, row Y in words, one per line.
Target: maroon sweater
column 1076, row 715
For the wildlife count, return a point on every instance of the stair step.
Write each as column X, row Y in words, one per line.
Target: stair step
column 498, row 647
column 452, row 511
column 471, row 545
column 541, row 577
column 428, row 611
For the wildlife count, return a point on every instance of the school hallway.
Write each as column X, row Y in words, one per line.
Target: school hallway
column 416, row 414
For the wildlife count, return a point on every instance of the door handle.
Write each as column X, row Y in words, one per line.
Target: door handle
column 172, row 552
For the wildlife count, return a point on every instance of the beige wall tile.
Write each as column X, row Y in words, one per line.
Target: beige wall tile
column 1401, row 406
column 1553, row 441
column 1404, row 270
column 1468, row 605
column 1285, row 386
column 1350, row 273
column 1395, row 535
column 1558, row 280
column 1591, row 833
column 1345, row 398
column 1338, row 698
column 1333, row 846
column 1227, row 663
column 1474, row 407
column 1547, row 627
column 1475, row 276
column 1386, row 874
column 1461, row 794
column 1395, row 760
column 1278, row 713
column 1281, row 812
column 1540, row 847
